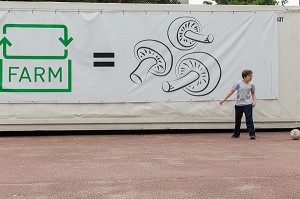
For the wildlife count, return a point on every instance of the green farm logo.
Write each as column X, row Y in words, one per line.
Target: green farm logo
column 35, row 58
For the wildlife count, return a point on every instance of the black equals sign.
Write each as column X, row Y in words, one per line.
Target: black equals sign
column 104, row 63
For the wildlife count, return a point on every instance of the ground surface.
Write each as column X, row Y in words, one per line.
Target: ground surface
column 155, row 166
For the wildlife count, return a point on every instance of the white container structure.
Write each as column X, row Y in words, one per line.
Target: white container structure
column 173, row 99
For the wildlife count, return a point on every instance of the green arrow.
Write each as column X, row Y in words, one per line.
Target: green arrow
column 65, row 40
column 5, row 42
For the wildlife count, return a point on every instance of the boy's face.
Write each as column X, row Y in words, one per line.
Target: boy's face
column 248, row 78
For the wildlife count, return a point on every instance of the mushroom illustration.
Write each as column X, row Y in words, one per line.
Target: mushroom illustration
column 154, row 57
column 198, row 74
column 185, row 33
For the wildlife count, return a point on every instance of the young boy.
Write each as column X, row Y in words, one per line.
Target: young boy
column 244, row 104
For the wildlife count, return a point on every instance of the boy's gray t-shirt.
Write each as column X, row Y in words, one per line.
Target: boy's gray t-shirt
column 244, row 90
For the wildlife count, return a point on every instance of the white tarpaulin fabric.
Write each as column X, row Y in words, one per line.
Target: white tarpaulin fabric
column 135, row 56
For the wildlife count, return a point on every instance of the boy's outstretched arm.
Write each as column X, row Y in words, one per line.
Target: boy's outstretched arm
column 226, row 96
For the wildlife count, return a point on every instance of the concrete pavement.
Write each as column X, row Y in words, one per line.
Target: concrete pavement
column 206, row 165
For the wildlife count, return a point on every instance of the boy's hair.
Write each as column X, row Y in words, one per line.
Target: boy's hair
column 246, row 72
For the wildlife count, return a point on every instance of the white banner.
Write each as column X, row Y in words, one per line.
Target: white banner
column 135, row 56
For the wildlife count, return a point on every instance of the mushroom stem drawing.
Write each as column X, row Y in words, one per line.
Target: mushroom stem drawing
column 198, row 74
column 184, row 33
column 199, row 37
column 170, row 86
column 141, row 71
column 154, row 57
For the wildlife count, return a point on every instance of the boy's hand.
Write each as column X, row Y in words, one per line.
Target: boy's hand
column 221, row 102
column 254, row 104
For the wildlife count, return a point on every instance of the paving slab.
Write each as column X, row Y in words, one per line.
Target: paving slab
column 198, row 165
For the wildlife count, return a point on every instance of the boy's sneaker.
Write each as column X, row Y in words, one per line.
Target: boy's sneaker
column 252, row 137
column 235, row 136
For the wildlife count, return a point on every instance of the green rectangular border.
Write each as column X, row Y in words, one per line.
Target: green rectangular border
column 38, row 26
column 69, row 89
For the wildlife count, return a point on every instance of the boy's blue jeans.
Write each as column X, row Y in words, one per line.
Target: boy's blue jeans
column 239, row 110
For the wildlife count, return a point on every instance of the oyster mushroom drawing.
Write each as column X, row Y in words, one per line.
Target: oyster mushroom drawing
column 154, row 57
column 185, row 33
column 198, row 74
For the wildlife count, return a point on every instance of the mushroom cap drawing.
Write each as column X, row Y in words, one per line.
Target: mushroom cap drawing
column 208, row 69
column 185, row 33
column 155, row 58
column 198, row 74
